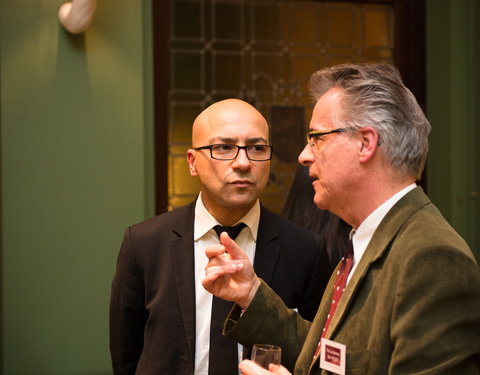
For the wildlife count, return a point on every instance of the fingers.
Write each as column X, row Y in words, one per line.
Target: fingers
column 228, row 246
column 248, row 367
column 229, row 273
column 214, row 250
column 220, row 264
column 279, row 370
column 212, row 273
column 231, row 246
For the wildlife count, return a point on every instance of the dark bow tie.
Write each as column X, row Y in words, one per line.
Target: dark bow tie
column 233, row 232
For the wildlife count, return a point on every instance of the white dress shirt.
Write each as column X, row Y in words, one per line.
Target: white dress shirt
column 364, row 233
column 203, row 236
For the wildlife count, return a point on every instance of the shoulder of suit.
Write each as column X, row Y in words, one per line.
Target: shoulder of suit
column 166, row 219
column 287, row 227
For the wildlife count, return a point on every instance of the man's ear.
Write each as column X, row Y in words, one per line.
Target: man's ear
column 369, row 143
column 191, row 162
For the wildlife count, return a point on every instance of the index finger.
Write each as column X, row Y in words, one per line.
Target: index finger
column 231, row 247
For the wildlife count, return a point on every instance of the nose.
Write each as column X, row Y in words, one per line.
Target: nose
column 242, row 161
column 306, row 157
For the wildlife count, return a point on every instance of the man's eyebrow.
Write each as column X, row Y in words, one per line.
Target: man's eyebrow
column 248, row 141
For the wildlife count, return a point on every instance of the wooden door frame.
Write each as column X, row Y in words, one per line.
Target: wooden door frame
column 161, row 85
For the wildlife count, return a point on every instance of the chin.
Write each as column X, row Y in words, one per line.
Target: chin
column 320, row 203
column 240, row 202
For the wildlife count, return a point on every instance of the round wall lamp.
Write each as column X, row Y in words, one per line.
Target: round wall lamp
column 77, row 15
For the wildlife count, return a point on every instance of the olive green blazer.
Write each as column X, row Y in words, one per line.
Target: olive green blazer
column 412, row 305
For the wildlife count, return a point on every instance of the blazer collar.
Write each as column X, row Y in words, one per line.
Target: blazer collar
column 267, row 249
column 183, row 269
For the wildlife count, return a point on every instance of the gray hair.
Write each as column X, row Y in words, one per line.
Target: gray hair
column 374, row 95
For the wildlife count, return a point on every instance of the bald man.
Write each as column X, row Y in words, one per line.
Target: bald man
column 162, row 321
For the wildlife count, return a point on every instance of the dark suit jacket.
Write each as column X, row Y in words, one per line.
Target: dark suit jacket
column 152, row 309
column 411, row 307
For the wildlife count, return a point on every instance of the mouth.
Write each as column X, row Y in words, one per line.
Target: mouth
column 241, row 183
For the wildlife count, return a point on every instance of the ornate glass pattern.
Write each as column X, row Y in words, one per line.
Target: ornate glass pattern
column 262, row 51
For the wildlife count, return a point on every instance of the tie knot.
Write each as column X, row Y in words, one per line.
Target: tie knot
column 233, row 232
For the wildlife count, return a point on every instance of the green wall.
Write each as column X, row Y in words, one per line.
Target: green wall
column 453, row 58
column 77, row 165
column 76, row 168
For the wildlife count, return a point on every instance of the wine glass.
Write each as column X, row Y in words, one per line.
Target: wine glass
column 264, row 354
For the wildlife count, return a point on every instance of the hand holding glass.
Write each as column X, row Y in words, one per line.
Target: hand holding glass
column 264, row 354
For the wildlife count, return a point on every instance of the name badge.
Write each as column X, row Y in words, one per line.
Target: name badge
column 333, row 356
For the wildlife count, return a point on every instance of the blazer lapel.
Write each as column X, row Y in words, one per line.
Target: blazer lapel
column 376, row 249
column 183, row 270
column 315, row 332
column 266, row 250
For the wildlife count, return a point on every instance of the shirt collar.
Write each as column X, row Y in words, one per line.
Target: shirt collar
column 204, row 221
column 367, row 228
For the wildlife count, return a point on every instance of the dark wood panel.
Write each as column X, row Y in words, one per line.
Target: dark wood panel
column 161, row 76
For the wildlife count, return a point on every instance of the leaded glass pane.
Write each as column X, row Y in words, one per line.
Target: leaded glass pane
column 262, row 51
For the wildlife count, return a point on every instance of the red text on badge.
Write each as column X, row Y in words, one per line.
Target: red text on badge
column 332, row 355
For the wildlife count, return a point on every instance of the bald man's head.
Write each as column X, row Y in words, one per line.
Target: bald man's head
column 229, row 187
column 233, row 111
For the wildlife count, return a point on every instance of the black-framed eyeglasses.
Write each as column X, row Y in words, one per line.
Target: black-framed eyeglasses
column 314, row 137
column 229, row 152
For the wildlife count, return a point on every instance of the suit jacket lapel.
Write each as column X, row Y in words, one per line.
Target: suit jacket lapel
column 266, row 251
column 183, row 270
column 383, row 236
column 315, row 332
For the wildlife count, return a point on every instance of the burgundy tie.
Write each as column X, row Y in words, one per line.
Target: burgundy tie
column 223, row 352
column 338, row 289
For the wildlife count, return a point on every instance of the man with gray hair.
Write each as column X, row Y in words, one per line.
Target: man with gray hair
column 407, row 298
